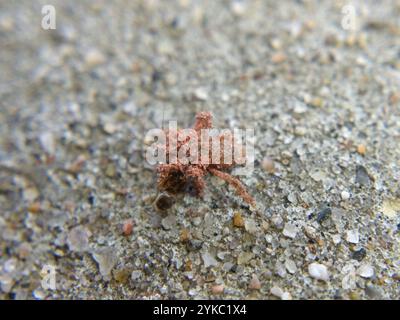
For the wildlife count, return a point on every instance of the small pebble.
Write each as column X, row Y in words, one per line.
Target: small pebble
column 317, row 102
column 349, row 281
column 184, row 236
column 280, row 269
column 390, row 207
column 238, row 220
column 336, row 238
column 276, row 43
column 244, row 258
column 94, row 58
column 268, row 165
column 238, row 8
column 279, row 293
column 39, row 294
column 110, row 128
column 373, row 292
column 277, row 221
column 250, row 226
column 286, row 296
column 361, row 149
column 318, row 271
column 290, row 266
column 345, row 195
column 300, row 131
column 111, row 170
column 78, row 239
column 7, row 23
column 24, row 250
column 354, row 296
column 48, row 142
column 127, row 227
column 200, row 94
column 276, row 291
column 310, row 232
column 208, row 260
column 168, row 222
column 77, row 165
column 217, row 289
column 121, row 276
column 365, row 271
column 359, row 254
column 106, row 260
column 6, row 283
column 352, row 236
column 324, row 214
column 10, row 265
column 394, row 98
column 362, row 176
column 254, row 283
column 136, row 274
column 290, row 230
column 278, row 57
column 194, row 245
column 34, row 207
column 197, row 221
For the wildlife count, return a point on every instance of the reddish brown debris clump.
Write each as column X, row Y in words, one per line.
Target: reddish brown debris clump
column 177, row 177
column 127, row 227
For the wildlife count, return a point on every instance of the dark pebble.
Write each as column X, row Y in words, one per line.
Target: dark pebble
column 234, row 268
column 324, row 214
column 359, row 254
column 362, row 176
column 91, row 199
column 194, row 245
column 156, row 76
column 164, row 201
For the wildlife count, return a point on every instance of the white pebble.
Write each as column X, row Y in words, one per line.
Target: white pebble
column 290, row 230
column 336, row 238
column 345, row 195
column 238, row 8
column 200, row 94
column 286, row 296
column 209, row 260
column 106, row 259
column 365, row 271
column 94, row 58
column 278, row 292
column 6, row 283
column 110, row 128
column 250, row 226
column 349, row 281
column 352, row 236
column 48, row 142
column 10, row 265
column 318, row 271
column 290, row 266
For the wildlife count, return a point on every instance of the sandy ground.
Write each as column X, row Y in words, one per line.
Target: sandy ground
column 77, row 101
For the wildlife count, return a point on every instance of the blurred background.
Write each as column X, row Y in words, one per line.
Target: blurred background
column 317, row 80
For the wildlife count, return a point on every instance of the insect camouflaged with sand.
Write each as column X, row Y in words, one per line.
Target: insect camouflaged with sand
column 188, row 177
